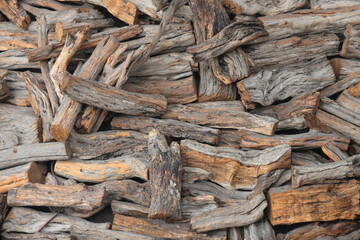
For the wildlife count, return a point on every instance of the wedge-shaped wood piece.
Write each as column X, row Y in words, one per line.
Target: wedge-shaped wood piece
column 4, row 90
column 165, row 177
column 60, row 224
column 351, row 80
column 40, row 152
column 8, row 140
column 17, row 176
column 305, row 175
column 77, row 200
column 325, row 202
column 15, row 13
column 334, row 153
column 349, row 99
column 233, row 168
column 350, row 48
column 168, row 127
column 308, row 140
column 127, row 166
column 344, row 67
column 269, row 86
column 262, row 7
column 332, row 4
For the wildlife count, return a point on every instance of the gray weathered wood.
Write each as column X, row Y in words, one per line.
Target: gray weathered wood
column 332, row 4
column 351, row 45
column 343, row 67
column 8, row 139
column 351, row 80
column 259, row 230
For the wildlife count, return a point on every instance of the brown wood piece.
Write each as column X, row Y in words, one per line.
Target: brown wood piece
column 349, row 100
column 351, row 80
column 344, row 67
column 129, row 209
column 15, row 13
column 334, row 153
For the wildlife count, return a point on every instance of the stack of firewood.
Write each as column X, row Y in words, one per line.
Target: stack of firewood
column 198, row 119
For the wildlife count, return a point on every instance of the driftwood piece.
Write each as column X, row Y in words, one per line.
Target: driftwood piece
column 129, row 209
column 350, row 100
column 168, row 127
column 17, row 176
column 350, row 47
column 351, row 80
column 22, row 154
column 262, row 7
column 269, row 86
column 4, row 90
column 344, row 67
column 305, row 175
column 16, row 59
column 334, row 153
column 165, row 177
column 233, row 168
column 127, row 166
column 308, row 140
column 15, row 13
column 8, row 140
column 324, row 202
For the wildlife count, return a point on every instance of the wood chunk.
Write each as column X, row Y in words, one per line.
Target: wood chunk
column 350, row 48
column 229, row 165
column 17, row 176
column 355, row 90
column 19, row 93
column 192, row 206
column 230, row 138
column 269, row 86
column 40, row 152
column 344, row 67
column 8, row 140
column 3, row 208
column 129, row 209
column 323, row 173
column 307, row 158
column 16, row 59
column 350, row 80
column 309, row 140
column 301, row 22
column 15, row 13
column 4, row 90
column 334, row 153
column 259, row 230
column 123, row 10
column 262, row 7
column 165, row 177
column 77, row 200
column 350, row 101
column 52, row 4
column 95, row 171
column 168, row 127
column 324, row 202
column 233, row 216
column 332, row 4
column 43, row 236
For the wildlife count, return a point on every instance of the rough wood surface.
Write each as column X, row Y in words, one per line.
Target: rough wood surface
column 344, row 67
column 324, row 202
column 8, row 140
column 229, row 165
column 334, row 153
column 332, row 4
column 259, row 230
column 350, row 47
column 22, row 154
column 4, row 90
column 165, row 177
column 16, row 59
column 17, row 176
column 230, row 138
column 351, row 80
column 129, row 209
column 350, row 101
column 42, row 236
column 15, row 13
column 19, row 93
column 192, row 206
column 3, row 208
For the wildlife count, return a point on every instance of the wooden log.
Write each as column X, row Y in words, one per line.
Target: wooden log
column 8, row 140
column 301, row 22
column 77, row 200
column 324, row 202
column 349, row 101
column 15, row 13
column 269, row 86
column 350, row 47
column 165, row 177
column 262, row 7
column 344, row 67
column 168, row 127
column 192, row 206
column 129, row 209
column 4, row 90
column 52, row 4
column 259, row 230
column 351, row 80
column 326, row 172
column 230, row 165
column 229, row 138
column 333, row 152
column 96, row 171
column 309, row 140
column 88, row 146
column 40, row 152
column 233, row 216
column 16, row 59
column 332, row 4
column 307, row 158
column 17, row 176
column 43, row 236
column 3, row 208
column 19, row 93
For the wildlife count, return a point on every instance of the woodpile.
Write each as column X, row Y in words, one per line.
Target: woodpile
column 182, row 119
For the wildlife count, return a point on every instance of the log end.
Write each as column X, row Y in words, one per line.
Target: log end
column 59, row 133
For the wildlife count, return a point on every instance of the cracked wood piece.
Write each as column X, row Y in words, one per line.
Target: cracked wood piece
column 168, row 127
column 113, row 99
column 16, row 59
column 230, row 138
column 251, row 7
column 129, row 209
column 4, row 90
column 259, row 230
column 165, row 177
column 309, row 140
column 325, row 202
column 326, row 172
column 3, row 208
column 233, row 216
column 15, row 13
column 332, row 4
column 27, row 220
column 95, row 171
column 269, row 86
column 40, row 103
column 344, row 67
column 301, row 22
column 233, row 168
column 77, row 200
column 350, row 99
column 334, row 153
column 8, row 139
column 17, row 176
column 349, row 81
column 292, row 50
column 344, row 128
column 32, row 236
column 40, row 152
column 350, row 47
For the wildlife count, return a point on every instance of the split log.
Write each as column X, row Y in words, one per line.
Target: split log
column 40, row 152
column 350, row 47
column 233, row 216
column 43, row 236
column 8, row 140
column 332, row 4
column 350, row 80
column 3, row 208
column 94, row 171
column 259, row 230
column 309, row 140
column 4, row 90
column 344, row 67
column 16, row 59
column 230, row 165
column 15, row 13
column 15, row 177
column 76, row 200
column 262, row 7
column 334, row 153
column 27, row 220
column 165, row 177
column 269, row 86
column 301, row 22
column 168, row 127
column 324, row 202
column 129, row 209
column 350, row 101
column 88, row 146
column 326, row 172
